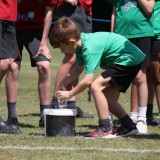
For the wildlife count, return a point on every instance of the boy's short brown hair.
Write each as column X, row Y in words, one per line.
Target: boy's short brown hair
column 63, row 29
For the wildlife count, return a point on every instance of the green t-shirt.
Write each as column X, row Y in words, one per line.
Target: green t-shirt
column 157, row 20
column 131, row 21
column 101, row 49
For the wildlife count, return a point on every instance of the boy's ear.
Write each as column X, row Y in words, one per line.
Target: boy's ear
column 72, row 40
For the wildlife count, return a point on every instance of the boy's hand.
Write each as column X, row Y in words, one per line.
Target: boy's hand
column 43, row 50
column 11, row 60
column 63, row 94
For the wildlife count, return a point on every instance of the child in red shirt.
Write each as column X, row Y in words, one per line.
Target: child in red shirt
column 8, row 14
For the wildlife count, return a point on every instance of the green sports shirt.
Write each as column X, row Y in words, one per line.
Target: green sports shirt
column 157, row 20
column 131, row 21
column 101, row 49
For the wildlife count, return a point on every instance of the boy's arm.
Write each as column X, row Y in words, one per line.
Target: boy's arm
column 72, row 76
column 83, row 84
column 43, row 49
column 64, row 68
column 113, row 18
column 147, row 6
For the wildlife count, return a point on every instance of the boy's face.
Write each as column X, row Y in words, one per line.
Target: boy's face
column 68, row 48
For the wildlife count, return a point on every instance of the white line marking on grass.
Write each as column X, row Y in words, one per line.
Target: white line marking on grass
column 81, row 149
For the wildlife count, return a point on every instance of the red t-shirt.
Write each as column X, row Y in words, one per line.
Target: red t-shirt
column 31, row 13
column 8, row 10
column 86, row 4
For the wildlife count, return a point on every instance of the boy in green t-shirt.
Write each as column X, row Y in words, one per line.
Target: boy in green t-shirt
column 121, row 61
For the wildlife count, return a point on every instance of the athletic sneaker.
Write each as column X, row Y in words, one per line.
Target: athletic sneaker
column 124, row 131
column 142, row 126
column 156, row 121
column 152, row 122
column 100, row 132
column 9, row 129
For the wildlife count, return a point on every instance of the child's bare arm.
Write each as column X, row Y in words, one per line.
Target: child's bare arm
column 113, row 18
column 83, row 84
column 147, row 6
column 71, row 76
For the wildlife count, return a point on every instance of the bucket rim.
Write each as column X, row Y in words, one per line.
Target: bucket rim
column 60, row 112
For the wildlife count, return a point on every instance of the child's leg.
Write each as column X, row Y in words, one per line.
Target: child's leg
column 151, row 95
column 100, row 100
column 134, row 103
column 112, row 94
column 142, row 93
column 154, row 68
column 11, row 84
column 104, row 128
column 4, row 65
column 141, row 89
column 104, row 96
column 144, row 44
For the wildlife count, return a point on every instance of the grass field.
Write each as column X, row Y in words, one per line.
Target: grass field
column 33, row 145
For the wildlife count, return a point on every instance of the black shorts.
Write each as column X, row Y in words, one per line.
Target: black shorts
column 144, row 44
column 78, row 15
column 155, row 53
column 30, row 39
column 121, row 76
column 7, row 40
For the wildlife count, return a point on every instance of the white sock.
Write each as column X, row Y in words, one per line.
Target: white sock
column 133, row 116
column 142, row 113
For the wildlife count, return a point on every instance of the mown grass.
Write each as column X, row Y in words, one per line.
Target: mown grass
column 32, row 143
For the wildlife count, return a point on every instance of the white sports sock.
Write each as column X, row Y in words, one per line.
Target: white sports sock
column 133, row 116
column 142, row 113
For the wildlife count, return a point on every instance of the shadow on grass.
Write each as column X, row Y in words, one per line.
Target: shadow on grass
column 26, row 115
column 22, row 125
column 147, row 136
column 79, row 134
column 87, row 126
column 36, row 134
